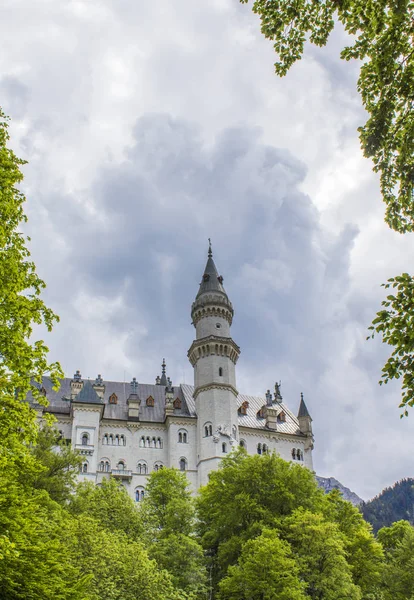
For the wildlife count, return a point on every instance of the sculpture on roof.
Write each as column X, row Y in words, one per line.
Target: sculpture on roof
column 278, row 394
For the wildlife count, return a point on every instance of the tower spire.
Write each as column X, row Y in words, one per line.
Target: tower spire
column 210, row 251
column 163, row 380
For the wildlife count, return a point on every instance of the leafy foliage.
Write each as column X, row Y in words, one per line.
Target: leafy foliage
column 393, row 504
column 398, row 581
column 169, row 517
column 265, row 570
column 57, row 463
column 22, row 362
column 383, row 39
column 395, row 323
column 110, row 505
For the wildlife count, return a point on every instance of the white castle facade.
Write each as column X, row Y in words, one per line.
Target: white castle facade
column 127, row 431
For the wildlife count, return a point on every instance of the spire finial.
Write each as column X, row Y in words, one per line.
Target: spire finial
column 163, row 366
column 210, row 251
column 301, row 396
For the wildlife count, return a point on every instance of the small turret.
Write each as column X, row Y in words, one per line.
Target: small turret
column 76, row 385
column 304, row 418
column 99, row 386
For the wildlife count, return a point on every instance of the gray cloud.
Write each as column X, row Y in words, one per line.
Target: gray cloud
column 151, row 127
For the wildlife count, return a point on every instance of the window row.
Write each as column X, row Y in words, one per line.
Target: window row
column 113, row 440
column 142, row 468
column 297, row 454
column 148, row 442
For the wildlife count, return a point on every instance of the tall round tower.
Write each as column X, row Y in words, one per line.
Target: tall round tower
column 213, row 355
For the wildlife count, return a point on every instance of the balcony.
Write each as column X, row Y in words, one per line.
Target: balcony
column 122, row 473
column 85, row 449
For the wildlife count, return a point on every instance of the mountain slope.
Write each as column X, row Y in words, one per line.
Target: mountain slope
column 392, row 504
column 330, row 483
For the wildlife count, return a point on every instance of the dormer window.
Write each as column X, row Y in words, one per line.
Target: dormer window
column 113, row 399
column 282, row 417
column 261, row 413
column 243, row 408
column 206, row 277
column 220, row 279
column 150, row 401
column 177, row 403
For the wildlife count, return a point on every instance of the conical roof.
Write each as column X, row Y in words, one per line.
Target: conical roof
column 88, row 395
column 303, row 411
column 211, row 282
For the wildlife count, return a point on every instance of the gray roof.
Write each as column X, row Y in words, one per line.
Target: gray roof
column 303, row 411
column 59, row 403
column 211, row 281
column 87, row 395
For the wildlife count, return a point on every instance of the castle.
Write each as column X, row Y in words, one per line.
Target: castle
column 128, row 430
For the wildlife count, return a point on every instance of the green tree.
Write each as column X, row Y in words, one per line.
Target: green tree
column 364, row 553
column 169, row 516
column 58, row 466
column 22, row 361
column 34, row 563
column 25, row 541
column 320, row 554
column 266, row 570
column 245, row 495
column 110, row 505
column 382, row 39
column 398, row 580
column 114, row 566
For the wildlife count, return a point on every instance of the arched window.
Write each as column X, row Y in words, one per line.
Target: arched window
column 294, row 453
column 121, row 465
column 107, row 466
column 105, row 439
column 150, row 401
column 111, row 439
column 208, row 429
column 117, row 440
column 282, row 417
column 182, row 436
column 85, row 439
column 242, row 444
column 183, row 464
column 158, row 466
column 148, row 442
column 153, row 443
column 159, row 442
column 84, row 467
column 224, row 447
column 142, row 442
column 264, row 448
column 177, row 403
column 139, row 494
column 142, row 467
column 122, row 440
column 259, row 448
column 220, row 372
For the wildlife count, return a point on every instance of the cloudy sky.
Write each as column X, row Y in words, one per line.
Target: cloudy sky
column 151, row 126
